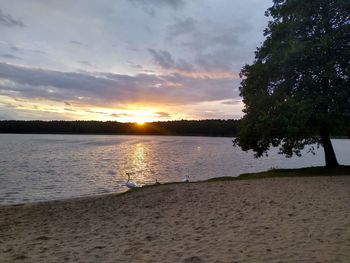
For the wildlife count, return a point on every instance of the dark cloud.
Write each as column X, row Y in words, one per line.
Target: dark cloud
column 10, row 56
column 220, row 59
column 218, row 50
column 14, row 48
column 163, row 114
column 205, row 35
column 165, row 60
column 8, row 21
column 181, row 27
column 212, row 45
column 205, row 63
column 120, row 115
column 108, row 88
column 162, row 58
column 161, row 3
column 226, row 38
column 151, row 7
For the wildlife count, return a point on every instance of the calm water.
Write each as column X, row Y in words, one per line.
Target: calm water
column 49, row 167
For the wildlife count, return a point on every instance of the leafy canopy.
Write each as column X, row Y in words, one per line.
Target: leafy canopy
column 299, row 82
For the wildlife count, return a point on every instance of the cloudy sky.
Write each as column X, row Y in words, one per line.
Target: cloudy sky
column 126, row 60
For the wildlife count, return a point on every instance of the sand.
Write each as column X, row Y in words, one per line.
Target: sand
column 266, row 220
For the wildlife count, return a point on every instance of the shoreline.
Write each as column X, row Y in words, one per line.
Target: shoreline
column 300, row 218
column 314, row 171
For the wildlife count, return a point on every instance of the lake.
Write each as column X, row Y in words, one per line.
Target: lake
column 36, row 168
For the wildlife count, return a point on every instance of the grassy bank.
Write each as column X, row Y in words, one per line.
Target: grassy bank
column 343, row 170
column 302, row 172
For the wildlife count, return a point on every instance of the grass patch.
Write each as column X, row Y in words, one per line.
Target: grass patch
column 302, row 172
column 273, row 173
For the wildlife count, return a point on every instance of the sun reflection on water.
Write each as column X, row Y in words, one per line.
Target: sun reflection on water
column 140, row 164
column 139, row 156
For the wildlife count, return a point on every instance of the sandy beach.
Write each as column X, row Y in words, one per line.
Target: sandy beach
column 304, row 219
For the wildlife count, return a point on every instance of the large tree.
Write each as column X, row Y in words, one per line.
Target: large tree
column 298, row 88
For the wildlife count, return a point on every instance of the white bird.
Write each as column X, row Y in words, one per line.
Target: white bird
column 130, row 184
column 186, row 179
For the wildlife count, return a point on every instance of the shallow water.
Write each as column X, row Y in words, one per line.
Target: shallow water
column 50, row 167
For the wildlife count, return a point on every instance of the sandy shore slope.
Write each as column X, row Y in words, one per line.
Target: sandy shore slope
column 267, row 220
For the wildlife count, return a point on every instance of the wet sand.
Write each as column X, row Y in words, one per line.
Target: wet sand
column 267, row 220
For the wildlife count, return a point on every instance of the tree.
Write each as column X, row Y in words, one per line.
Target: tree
column 297, row 91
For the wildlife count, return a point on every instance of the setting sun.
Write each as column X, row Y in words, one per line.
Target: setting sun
column 139, row 116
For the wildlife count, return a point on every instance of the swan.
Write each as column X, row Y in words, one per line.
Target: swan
column 186, row 179
column 130, row 184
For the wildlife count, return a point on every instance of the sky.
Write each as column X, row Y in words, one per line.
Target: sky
column 126, row 60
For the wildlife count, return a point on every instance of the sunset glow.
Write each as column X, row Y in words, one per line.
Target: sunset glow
column 176, row 60
column 137, row 116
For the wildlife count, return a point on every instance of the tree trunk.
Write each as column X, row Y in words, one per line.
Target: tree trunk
column 331, row 159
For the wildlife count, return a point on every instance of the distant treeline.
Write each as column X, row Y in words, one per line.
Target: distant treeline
column 182, row 127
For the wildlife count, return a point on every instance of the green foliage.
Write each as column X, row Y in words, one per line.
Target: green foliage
column 299, row 82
